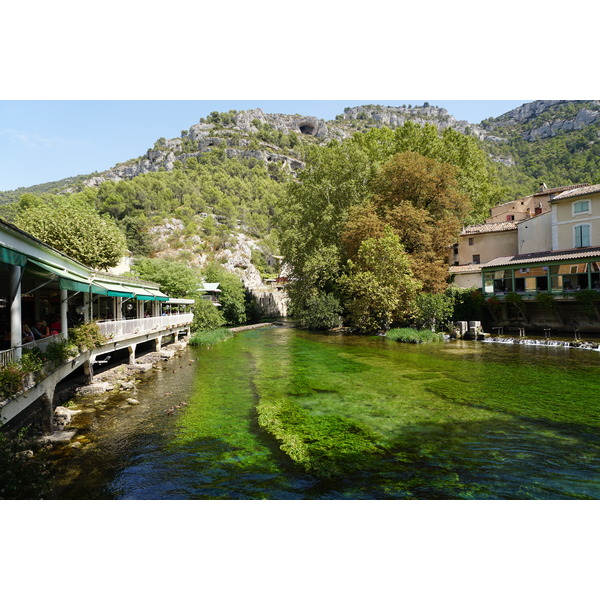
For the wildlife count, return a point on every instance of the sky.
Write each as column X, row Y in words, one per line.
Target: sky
column 48, row 140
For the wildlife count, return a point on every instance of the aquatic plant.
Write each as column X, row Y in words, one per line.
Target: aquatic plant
column 325, row 446
column 414, row 336
column 22, row 476
column 210, row 338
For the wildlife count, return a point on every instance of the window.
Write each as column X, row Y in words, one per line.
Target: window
column 510, row 217
column 476, row 259
column 471, row 241
column 581, row 207
column 581, row 235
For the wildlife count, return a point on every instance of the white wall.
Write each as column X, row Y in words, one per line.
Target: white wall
column 535, row 234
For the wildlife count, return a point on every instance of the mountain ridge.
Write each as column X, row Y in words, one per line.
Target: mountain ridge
column 279, row 138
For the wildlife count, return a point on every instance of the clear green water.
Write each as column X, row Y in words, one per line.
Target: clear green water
column 453, row 420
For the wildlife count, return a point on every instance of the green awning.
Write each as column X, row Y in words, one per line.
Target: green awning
column 148, row 295
column 68, row 281
column 12, row 257
column 98, row 289
column 118, row 290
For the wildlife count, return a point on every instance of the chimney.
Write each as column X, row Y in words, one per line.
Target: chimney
column 543, row 187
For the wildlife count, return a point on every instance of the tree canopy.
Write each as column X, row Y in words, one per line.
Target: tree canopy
column 72, row 227
column 175, row 278
column 423, row 184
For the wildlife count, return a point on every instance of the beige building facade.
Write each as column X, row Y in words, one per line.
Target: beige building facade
column 552, row 220
column 576, row 218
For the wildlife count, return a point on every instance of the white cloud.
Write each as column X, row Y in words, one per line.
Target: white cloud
column 38, row 141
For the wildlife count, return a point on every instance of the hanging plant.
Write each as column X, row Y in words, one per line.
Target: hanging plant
column 516, row 299
column 545, row 299
column 586, row 299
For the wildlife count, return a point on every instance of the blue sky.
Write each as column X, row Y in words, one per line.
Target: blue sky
column 48, row 140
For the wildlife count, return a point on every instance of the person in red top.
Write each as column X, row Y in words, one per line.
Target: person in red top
column 55, row 326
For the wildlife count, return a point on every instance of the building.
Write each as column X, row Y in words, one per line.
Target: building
column 519, row 227
column 550, row 277
column 40, row 286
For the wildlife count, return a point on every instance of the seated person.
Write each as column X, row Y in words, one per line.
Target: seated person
column 55, row 326
column 27, row 335
column 43, row 328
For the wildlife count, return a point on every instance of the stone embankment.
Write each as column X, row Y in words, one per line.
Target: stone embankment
column 255, row 326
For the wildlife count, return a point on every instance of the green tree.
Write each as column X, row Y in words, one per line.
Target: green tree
column 206, row 316
column 175, row 278
column 322, row 311
column 232, row 297
column 379, row 288
column 312, row 215
column 74, row 228
column 433, row 311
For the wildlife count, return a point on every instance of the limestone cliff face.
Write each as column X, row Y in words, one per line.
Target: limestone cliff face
column 396, row 116
column 542, row 119
column 235, row 138
column 239, row 137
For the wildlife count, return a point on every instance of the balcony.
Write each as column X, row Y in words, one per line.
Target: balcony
column 121, row 330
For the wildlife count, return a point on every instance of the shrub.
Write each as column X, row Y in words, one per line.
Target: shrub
column 33, row 360
column 514, row 298
column 12, row 378
column 545, row 299
column 87, row 336
column 206, row 316
column 587, row 298
column 434, row 311
column 61, row 351
column 321, row 312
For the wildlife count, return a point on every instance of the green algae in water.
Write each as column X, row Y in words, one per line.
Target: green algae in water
column 454, row 420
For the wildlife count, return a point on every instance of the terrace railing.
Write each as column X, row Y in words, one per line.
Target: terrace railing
column 8, row 356
column 113, row 330
column 118, row 330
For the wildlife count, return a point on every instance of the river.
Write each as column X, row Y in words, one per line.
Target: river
column 457, row 420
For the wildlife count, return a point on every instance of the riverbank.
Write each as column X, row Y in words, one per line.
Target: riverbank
column 120, row 380
column 255, row 326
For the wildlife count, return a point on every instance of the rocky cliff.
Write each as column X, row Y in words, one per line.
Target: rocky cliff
column 253, row 133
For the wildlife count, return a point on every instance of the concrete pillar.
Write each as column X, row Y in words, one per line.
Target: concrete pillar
column 132, row 354
column 87, row 307
column 158, row 343
column 88, row 370
column 16, row 333
column 64, row 324
column 47, row 411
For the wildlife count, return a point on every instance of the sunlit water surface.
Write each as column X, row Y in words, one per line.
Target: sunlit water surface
column 459, row 420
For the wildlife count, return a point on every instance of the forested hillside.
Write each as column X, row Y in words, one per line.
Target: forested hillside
column 237, row 188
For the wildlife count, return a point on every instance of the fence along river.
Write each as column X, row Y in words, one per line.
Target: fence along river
column 455, row 420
